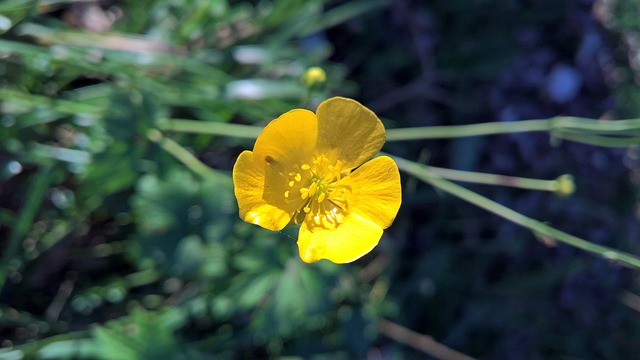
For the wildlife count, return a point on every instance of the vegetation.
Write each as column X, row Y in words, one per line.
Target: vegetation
column 120, row 122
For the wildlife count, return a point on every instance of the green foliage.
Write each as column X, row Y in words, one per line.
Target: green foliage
column 120, row 236
column 173, row 272
column 141, row 335
column 182, row 222
column 619, row 15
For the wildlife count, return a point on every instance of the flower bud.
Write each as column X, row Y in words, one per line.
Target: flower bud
column 565, row 185
column 314, row 76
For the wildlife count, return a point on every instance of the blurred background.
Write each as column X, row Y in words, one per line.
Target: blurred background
column 113, row 249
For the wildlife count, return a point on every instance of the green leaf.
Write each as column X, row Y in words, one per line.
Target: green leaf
column 141, row 335
column 182, row 220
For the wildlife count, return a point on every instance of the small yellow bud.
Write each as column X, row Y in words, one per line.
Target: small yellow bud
column 565, row 185
column 314, row 76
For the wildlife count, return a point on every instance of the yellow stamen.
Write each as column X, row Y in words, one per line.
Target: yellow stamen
column 304, row 193
column 313, row 188
column 322, row 202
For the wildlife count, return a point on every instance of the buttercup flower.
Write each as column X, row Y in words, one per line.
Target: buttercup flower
column 316, row 170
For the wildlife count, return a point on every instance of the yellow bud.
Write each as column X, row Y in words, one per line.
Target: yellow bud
column 314, row 76
column 565, row 185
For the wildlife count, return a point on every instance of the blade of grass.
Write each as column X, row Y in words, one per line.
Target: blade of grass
column 55, row 105
column 36, row 192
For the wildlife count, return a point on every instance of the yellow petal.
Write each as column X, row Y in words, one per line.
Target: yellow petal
column 256, row 205
column 376, row 190
column 352, row 239
column 288, row 140
column 348, row 131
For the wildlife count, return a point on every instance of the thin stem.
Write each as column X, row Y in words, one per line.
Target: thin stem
column 455, row 131
column 185, row 157
column 598, row 140
column 424, row 343
column 494, row 179
column 588, row 131
column 563, row 185
column 211, row 128
column 247, row 131
column 559, row 126
column 539, row 228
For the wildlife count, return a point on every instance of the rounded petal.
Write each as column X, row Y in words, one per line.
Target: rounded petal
column 348, row 131
column 351, row 240
column 376, row 190
column 287, row 140
column 256, row 204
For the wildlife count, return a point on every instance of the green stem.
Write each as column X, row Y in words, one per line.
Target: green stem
column 211, row 128
column 582, row 130
column 247, row 131
column 185, row 157
column 598, row 140
column 539, row 228
column 562, row 125
column 493, row 179
column 455, row 131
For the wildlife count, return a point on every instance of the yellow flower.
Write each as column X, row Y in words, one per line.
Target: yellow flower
column 316, row 170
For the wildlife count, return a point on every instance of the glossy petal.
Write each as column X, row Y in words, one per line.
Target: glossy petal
column 376, row 190
column 352, row 239
column 249, row 188
column 287, row 140
column 348, row 131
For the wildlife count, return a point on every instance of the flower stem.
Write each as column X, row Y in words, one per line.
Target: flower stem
column 539, row 228
column 211, row 128
column 455, row 131
column 185, row 157
column 571, row 128
column 494, row 179
column 615, row 133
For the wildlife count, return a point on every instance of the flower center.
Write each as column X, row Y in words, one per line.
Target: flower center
column 323, row 197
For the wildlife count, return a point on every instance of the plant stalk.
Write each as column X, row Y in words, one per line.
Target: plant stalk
column 537, row 227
